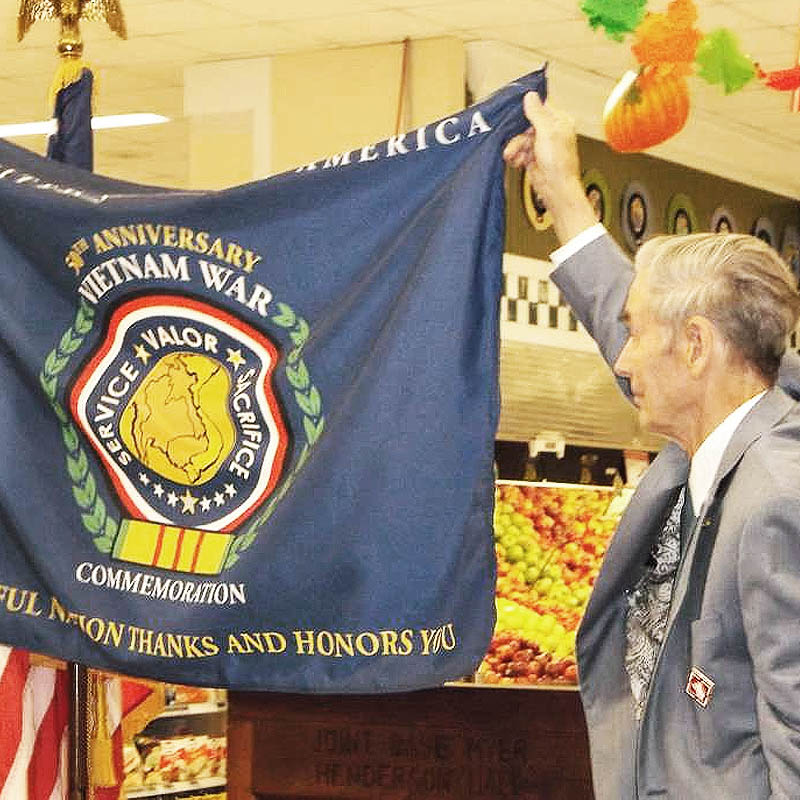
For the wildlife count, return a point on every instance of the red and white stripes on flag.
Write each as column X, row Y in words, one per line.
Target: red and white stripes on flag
column 34, row 719
column 118, row 709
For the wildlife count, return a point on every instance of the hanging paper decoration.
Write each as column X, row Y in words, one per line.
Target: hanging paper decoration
column 794, row 100
column 616, row 17
column 721, row 61
column 784, row 80
column 646, row 108
column 669, row 38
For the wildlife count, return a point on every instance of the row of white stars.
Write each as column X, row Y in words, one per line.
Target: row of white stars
column 188, row 501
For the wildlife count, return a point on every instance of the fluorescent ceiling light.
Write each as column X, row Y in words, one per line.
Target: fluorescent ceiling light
column 48, row 127
column 126, row 121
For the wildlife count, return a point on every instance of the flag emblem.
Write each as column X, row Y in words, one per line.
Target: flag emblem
column 177, row 402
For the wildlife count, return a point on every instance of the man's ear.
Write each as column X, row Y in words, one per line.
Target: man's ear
column 701, row 340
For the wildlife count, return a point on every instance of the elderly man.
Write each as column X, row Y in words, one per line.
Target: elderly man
column 689, row 650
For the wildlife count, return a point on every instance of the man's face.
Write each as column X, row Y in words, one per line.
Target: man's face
column 651, row 361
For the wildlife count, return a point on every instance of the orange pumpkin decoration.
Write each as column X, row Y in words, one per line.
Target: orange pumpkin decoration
column 646, row 108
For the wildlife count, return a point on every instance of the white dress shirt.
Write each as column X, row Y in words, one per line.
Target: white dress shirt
column 706, row 460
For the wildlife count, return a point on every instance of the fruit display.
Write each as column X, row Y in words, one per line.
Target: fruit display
column 550, row 541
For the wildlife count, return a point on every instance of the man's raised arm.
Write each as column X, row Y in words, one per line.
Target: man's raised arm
column 591, row 271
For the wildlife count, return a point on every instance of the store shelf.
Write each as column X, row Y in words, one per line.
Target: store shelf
column 191, row 709
column 540, row 687
column 167, row 790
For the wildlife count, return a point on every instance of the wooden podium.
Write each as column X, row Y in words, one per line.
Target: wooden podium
column 460, row 741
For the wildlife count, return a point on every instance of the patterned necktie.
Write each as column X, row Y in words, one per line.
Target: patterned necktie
column 648, row 606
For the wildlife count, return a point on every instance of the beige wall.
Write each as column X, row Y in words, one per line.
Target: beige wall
column 220, row 150
column 330, row 101
column 291, row 109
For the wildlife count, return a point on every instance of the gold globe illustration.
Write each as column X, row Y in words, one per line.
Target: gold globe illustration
column 177, row 422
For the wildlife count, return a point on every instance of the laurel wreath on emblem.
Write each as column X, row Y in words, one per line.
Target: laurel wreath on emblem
column 95, row 516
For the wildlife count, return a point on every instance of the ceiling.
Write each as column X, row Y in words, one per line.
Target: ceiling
column 751, row 135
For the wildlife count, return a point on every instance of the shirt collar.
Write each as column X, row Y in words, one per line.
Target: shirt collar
column 706, row 460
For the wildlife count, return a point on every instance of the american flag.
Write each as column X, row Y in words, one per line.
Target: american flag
column 34, row 718
column 118, row 708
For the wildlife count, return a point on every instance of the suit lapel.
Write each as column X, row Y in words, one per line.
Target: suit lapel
column 631, row 545
column 770, row 410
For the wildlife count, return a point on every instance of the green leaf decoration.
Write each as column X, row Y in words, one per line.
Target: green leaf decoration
column 313, row 432
column 70, row 437
column 720, row 60
column 95, row 520
column 304, row 454
column 86, row 494
column 103, row 544
column 286, row 317
column 298, row 376
column 49, row 384
column 111, row 529
column 310, row 402
column 84, row 319
column 55, row 364
column 616, row 17
column 300, row 334
column 294, row 355
column 77, row 467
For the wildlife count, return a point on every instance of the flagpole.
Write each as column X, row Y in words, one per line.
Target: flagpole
column 72, row 144
column 78, row 733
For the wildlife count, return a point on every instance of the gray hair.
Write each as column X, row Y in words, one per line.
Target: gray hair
column 737, row 281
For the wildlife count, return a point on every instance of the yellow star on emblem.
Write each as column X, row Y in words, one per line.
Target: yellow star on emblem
column 235, row 358
column 189, row 502
column 142, row 353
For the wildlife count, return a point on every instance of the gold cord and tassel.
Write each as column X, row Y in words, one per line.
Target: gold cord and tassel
column 70, row 45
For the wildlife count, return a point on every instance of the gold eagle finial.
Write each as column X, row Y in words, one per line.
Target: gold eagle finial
column 70, row 12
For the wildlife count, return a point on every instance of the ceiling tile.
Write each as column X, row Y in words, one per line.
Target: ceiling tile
column 478, row 13
column 181, row 15
column 139, row 77
column 725, row 15
column 773, row 48
column 574, row 33
column 608, row 58
column 162, row 49
column 257, row 39
column 775, row 12
column 272, row 11
column 375, row 26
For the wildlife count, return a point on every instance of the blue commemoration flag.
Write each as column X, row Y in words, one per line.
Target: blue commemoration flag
column 248, row 434
column 72, row 142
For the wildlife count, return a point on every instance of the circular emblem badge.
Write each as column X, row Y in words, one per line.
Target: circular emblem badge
column 177, row 401
column 681, row 217
column 635, row 215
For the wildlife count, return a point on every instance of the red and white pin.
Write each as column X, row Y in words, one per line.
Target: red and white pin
column 699, row 687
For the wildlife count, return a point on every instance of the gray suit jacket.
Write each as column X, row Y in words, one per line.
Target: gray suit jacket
column 736, row 606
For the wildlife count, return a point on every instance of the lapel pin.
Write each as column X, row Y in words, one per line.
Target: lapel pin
column 699, row 687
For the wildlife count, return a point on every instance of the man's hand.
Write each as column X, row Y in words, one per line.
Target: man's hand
column 549, row 152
